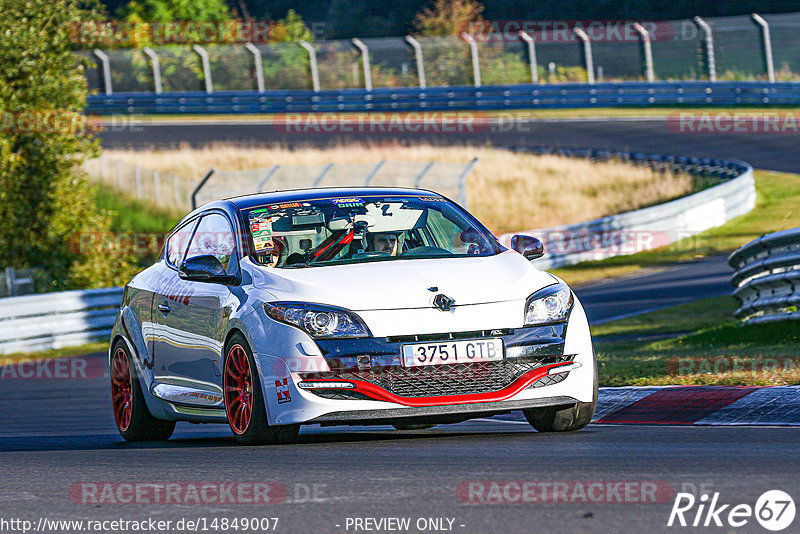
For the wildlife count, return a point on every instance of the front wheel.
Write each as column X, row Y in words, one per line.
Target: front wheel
column 134, row 421
column 244, row 401
column 564, row 418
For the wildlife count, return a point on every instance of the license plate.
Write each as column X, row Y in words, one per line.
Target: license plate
column 448, row 352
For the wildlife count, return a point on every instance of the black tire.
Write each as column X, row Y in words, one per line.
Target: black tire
column 563, row 418
column 255, row 430
column 133, row 419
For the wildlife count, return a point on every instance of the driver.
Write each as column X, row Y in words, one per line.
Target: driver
column 382, row 242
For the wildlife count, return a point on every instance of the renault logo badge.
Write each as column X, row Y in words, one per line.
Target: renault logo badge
column 443, row 302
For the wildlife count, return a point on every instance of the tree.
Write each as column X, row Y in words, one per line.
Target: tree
column 448, row 17
column 175, row 11
column 46, row 205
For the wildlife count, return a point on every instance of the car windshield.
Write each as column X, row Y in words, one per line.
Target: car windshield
column 341, row 230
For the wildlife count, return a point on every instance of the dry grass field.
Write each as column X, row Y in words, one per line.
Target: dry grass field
column 507, row 191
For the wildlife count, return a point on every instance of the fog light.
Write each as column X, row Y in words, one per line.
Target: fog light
column 326, row 385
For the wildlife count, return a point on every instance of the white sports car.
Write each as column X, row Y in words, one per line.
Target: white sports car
column 346, row 306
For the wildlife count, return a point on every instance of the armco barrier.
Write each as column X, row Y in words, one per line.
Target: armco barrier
column 767, row 277
column 644, row 229
column 54, row 320
column 495, row 97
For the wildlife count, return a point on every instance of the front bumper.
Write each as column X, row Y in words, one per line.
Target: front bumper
column 383, row 390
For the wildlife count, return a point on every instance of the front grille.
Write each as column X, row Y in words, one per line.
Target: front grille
column 548, row 380
column 477, row 334
column 340, row 394
column 437, row 380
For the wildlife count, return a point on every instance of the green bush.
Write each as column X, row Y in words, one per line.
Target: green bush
column 46, row 205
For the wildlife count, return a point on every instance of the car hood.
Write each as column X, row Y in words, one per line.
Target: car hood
column 407, row 284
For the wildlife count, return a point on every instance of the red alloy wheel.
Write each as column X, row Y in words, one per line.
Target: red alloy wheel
column 239, row 394
column 122, row 389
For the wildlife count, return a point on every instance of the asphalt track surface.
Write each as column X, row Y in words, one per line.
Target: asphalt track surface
column 56, row 433
column 773, row 151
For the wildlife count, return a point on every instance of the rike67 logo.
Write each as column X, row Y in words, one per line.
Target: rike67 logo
column 774, row 510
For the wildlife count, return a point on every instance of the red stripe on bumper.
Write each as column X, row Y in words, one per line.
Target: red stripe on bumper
column 678, row 405
column 377, row 392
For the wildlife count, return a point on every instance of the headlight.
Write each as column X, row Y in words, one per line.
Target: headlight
column 549, row 305
column 318, row 320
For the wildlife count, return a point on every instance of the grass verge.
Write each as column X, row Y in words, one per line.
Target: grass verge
column 507, row 191
column 717, row 350
column 777, row 208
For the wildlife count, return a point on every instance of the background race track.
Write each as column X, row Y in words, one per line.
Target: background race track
column 773, row 151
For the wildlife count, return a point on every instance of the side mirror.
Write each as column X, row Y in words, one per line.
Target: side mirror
column 530, row 247
column 205, row 269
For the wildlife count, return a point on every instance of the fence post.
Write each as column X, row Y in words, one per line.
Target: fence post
column 11, row 286
column 476, row 67
column 648, row 51
column 157, row 186
column 258, row 66
column 767, row 45
column 138, row 173
column 373, row 172
column 199, row 187
column 312, row 58
column 531, row 55
column 156, row 68
column 418, row 59
column 587, row 54
column 462, row 182
column 175, row 193
column 712, row 67
column 358, row 43
column 321, row 176
column 103, row 57
column 119, row 175
column 206, row 67
column 420, row 176
column 101, row 167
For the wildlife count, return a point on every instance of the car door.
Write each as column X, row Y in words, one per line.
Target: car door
column 191, row 316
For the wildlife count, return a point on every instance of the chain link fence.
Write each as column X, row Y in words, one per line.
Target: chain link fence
column 731, row 48
column 179, row 192
column 449, row 179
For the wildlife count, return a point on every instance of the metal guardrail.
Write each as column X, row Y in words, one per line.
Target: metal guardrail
column 454, row 98
column 767, row 277
column 652, row 227
column 53, row 320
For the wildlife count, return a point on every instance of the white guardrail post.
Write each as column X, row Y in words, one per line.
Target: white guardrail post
column 362, row 48
column 476, row 66
column 531, row 55
column 257, row 65
column 648, row 52
column 103, row 57
column 712, row 64
column 418, row 60
column 156, row 69
column 312, row 59
column 587, row 54
column 767, row 42
column 206, row 67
